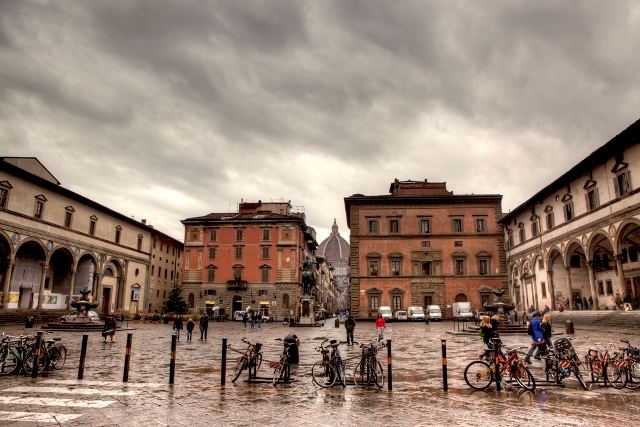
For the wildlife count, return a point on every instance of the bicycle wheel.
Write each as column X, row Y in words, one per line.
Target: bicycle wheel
column 258, row 361
column 578, row 374
column 10, row 364
column 323, row 374
column 595, row 370
column 378, row 374
column 278, row 372
column 478, row 375
column 523, row 377
column 362, row 375
column 27, row 363
column 615, row 376
column 340, row 371
column 58, row 357
column 633, row 377
column 242, row 363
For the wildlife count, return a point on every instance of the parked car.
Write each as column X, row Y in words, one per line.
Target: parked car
column 434, row 313
column 386, row 312
column 73, row 316
column 401, row 315
column 415, row 314
column 238, row 315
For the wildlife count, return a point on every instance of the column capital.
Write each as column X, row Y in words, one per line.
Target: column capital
column 45, row 265
column 619, row 257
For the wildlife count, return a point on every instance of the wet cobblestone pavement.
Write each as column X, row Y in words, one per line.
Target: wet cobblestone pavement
column 197, row 399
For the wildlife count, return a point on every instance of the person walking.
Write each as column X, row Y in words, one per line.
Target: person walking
column 545, row 326
column 585, row 303
column 244, row 319
column 536, row 335
column 258, row 319
column 190, row 326
column 381, row 325
column 486, row 333
column 109, row 329
column 253, row 319
column 177, row 326
column 590, row 303
column 350, row 325
column 204, row 325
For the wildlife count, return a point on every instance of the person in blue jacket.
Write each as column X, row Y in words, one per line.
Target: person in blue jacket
column 537, row 335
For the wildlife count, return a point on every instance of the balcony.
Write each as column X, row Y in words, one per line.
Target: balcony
column 237, row 285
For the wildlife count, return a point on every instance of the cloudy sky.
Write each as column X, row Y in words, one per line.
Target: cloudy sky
column 167, row 110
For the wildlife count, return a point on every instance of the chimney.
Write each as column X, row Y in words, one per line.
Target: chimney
column 144, row 222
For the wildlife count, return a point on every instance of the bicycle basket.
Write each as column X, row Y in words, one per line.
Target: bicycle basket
column 565, row 349
column 257, row 347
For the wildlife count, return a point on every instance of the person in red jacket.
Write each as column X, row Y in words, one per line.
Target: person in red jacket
column 381, row 325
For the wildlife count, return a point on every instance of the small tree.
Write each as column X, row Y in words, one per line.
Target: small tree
column 175, row 303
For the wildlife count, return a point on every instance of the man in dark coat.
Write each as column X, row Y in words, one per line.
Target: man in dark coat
column 350, row 325
column 204, row 325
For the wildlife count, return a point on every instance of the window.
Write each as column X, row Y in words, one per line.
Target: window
column 108, row 272
column 374, row 302
column 213, row 235
column 158, row 293
column 161, row 246
column 633, row 254
column 568, row 211
column 459, row 269
column 609, row 287
column 543, row 288
column 593, row 199
column 621, row 184
column 211, row 273
column 238, row 273
column 266, row 234
column 600, row 288
column 550, row 221
column 68, row 215
column 534, row 228
column 172, row 275
column 118, row 231
column 427, row 268
column 395, row 267
column 194, row 237
column 38, row 209
column 238, row 252
column 425, row 226
column 159, row 271
column 480, row 225
column 396, row 302
column 262, row 292
column 394, row 226
column 240, row 235
column 457, row 243
column 4, row 196
column 265, row 252
column 373, row 267
column 373, row 226
column 483, row 267
column 265, row 275
column 456, row 225
column 153, row 270
column 426, row 244
column 574, row 261
column 139, row 242
column 212, row 252
column 523, row 235
column 511, row 241
column 540, row 264
column 165, row 274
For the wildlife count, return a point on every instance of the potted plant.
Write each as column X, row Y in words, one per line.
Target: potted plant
column 155, row 318
column 136, row 318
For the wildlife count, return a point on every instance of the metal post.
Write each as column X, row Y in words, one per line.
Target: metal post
column 496, row 353
column 223, row 368
column 127, row 356
column 444, row 365
column 172, row 364
column 36, row 355
column 83, row 355
column 389, row 370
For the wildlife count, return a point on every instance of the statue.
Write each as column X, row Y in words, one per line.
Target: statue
column 308, row 279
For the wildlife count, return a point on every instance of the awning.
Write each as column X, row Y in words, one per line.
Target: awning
column 210, row 302
column 264, row 302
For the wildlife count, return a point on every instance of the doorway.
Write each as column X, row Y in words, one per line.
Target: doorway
column 25, row 300
column 106, row 301
column 236, row 304
column 428, row 300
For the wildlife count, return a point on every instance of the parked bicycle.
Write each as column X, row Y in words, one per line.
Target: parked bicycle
column 55, row 352
column 282, row 368
column 479, row 375
column 331, row 368
column 561, row 360
column 252, row 359
column 17, row 355
column 369, row 370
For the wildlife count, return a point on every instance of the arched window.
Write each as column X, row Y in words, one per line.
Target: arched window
column 192, row 301
column 285, row 301
column 108, row 272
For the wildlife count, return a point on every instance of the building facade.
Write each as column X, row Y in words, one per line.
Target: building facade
column 249, row 259
column 578, row 238
column 336, row 250
column 422, row 245
column 54, row 243
column 166, row 268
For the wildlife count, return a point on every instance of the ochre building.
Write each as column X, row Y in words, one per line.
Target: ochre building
column 422, row 245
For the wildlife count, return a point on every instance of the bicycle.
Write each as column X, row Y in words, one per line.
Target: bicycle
column 479, row 375
column 282, row 369
column 55, row 351
column 252, row 358
column 17, row 355
column 369, row 370
column 331, row 368
column 561, row 360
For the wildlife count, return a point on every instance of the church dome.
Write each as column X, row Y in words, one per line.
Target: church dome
column 335, row 247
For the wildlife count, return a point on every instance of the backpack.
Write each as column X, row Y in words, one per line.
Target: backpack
column 481, row 334
column 529, row 329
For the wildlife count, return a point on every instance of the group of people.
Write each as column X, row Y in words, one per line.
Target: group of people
column 255, row 317
column 204, row 326
column 350, row 326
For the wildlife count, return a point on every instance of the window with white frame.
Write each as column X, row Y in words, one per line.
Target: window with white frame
column 425, row 226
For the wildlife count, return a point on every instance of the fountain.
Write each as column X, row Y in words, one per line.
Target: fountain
column 83, row 305
column 499, row 307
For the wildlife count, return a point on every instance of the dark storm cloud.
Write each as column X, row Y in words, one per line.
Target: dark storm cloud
column 166, row 110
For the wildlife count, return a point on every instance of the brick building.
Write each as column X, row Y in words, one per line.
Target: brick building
column 250, row 258
column 166, row 268
column 423, row 245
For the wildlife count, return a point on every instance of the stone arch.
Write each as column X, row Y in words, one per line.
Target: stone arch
column 6, row 247
column 61, row 273
column 461, row 293
column 600, row 238
column 571, row 247
column 28, row 271
column 32, row 240
column 627, row 227
column 552, row 253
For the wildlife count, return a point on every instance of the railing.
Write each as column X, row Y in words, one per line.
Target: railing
column 237, row 285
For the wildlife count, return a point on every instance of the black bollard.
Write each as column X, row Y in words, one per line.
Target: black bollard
column 36, row 355
column 569, row 327
column 444, row 366
column 83, row 355
column 172, row 363
column 223, row 368
column 389, row 370
column 496, row 353
column 127, row 356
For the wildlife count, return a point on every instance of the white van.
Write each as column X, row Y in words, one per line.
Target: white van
column 434, row 313
column 386, row 312
column 415, row 314
column 462, row 310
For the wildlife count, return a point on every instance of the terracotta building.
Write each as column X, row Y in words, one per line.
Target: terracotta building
column 423, row 245
column 250, row 258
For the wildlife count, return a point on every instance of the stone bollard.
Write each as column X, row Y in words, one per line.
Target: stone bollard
column 337, row 322
column 568, row 325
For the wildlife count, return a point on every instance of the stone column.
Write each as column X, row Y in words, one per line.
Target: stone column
column 97, row 290
column 621, row 278
column 592, row 285
column 525, row 294
column 534, row 291
column 552, row 289
column 570, row 297
column 43, row 277
column 73, row 281
column 6, row 286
